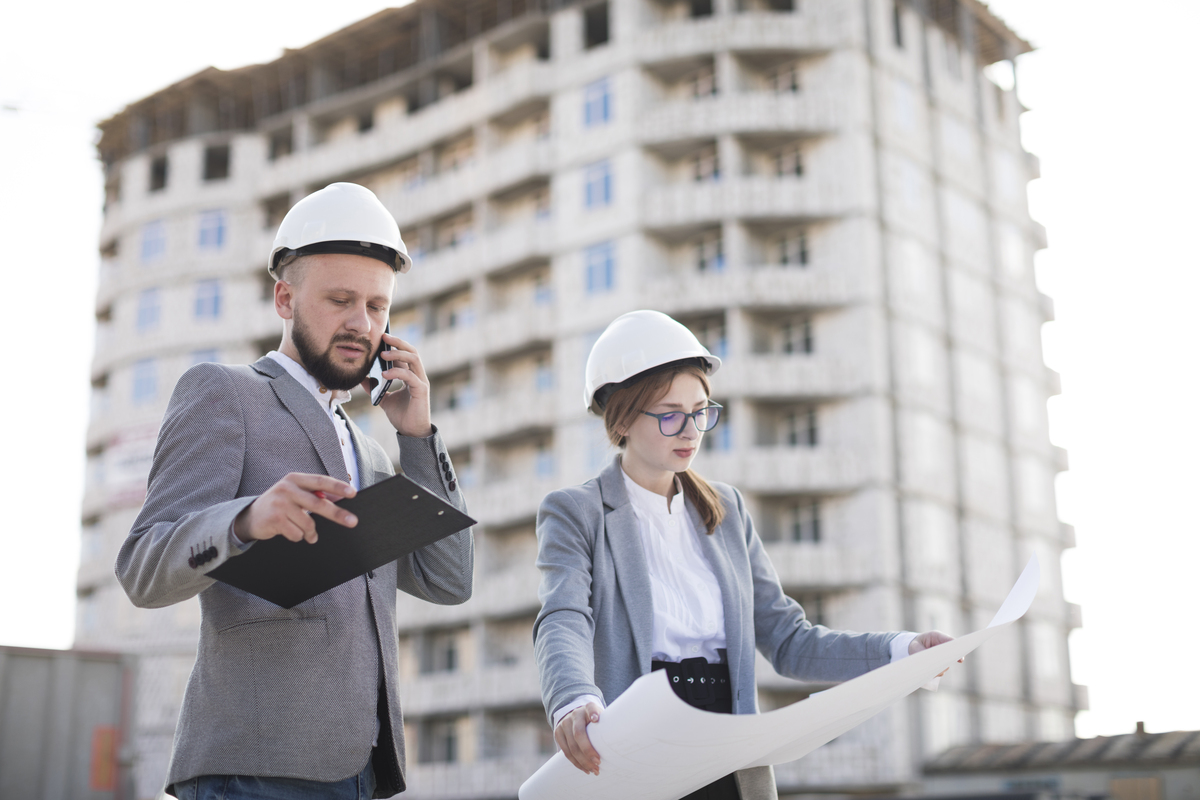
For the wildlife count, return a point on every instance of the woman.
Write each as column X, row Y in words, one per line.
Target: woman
column 649, row 566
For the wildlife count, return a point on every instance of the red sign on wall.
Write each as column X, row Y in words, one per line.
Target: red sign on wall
column 104, row 759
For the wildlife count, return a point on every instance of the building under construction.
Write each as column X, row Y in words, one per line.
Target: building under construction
column 830, row 193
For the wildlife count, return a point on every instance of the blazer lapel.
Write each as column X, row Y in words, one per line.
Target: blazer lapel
column 308, row 413
column 629, row 560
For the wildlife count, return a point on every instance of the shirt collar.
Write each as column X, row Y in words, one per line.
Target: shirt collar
column 645, row 500
column 329, row 399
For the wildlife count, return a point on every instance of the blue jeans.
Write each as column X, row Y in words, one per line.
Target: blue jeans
column 243, row 787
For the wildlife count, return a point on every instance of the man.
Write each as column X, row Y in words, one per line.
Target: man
column 299, row 702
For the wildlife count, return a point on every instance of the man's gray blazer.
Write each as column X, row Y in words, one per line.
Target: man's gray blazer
column 595, row 631
column 287, row 692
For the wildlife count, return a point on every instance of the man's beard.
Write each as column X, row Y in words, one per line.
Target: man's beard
column 321, row 365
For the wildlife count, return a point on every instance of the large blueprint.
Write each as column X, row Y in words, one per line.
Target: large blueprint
column 653, row 746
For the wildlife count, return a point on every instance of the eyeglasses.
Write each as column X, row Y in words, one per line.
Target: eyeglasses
column 672, row 423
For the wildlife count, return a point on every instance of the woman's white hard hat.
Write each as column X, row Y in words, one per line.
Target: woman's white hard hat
column 637, row 343
column 341, row 218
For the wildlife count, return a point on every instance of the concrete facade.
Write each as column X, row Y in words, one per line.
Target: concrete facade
column 831, row 195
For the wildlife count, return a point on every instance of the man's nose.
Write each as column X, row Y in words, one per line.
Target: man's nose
column 359, row 321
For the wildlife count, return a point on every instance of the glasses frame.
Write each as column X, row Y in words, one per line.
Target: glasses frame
column 693, row 416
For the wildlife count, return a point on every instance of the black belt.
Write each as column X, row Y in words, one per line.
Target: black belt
column 699, row 683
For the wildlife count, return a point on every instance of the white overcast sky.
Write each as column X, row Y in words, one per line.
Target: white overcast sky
column 1113, row 118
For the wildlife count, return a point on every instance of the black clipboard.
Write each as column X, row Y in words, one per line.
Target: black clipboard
column 395, row 517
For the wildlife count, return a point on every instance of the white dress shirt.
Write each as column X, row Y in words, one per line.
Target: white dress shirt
column 329, row 400
column 689, row 618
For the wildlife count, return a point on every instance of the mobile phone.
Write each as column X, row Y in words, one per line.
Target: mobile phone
column 380, row 385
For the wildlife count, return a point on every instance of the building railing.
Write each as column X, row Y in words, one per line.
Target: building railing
column 778, row 470
column 757, row 286
column 737, row 112
column 684, row 204
column 743, row 32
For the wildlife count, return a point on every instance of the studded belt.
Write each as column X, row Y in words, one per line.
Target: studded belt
column 697, row 682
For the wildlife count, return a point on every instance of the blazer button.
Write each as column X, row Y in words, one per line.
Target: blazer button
column 453, row 485
column 442, row 457
column 192, row 562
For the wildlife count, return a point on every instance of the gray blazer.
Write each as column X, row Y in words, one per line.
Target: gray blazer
column 275, row 691
column 594, row 632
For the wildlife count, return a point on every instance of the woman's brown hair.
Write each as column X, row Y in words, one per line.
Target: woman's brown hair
column 626, row 404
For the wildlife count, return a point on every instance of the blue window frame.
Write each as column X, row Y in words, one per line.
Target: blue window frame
column 145, row 380
column 544, row 463
column 544, row 377
column 212, row 230
column 597, row 103
column 149, row 310
column 208, row 299
column 600, row 268
column 154, row 240
column 597, row 185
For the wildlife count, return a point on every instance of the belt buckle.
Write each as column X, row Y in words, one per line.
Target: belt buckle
column 698, row 683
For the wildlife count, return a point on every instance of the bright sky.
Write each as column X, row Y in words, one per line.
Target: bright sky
column 1113, row 118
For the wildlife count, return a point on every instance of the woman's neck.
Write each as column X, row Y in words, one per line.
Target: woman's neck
column 654, row 480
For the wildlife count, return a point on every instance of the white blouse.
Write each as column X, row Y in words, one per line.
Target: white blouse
column 689, row 619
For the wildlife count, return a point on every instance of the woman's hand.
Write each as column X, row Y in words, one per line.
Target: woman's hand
column 929, row 639
column 571, row 737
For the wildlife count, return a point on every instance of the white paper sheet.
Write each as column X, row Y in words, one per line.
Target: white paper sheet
column 653, row 746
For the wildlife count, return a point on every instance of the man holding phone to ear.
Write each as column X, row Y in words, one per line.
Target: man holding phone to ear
column 300, row 702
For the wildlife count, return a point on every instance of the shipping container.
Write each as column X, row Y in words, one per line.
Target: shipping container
column 63, row 716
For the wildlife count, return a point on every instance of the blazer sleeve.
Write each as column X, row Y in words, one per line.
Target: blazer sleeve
column 564, row 631
column 795, row 647
column 191, row 497
column 441, row 572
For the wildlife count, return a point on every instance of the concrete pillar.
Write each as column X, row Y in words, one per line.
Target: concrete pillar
column 729, row 157
column 566, row 34
column 725, row 8
column 481, row 62
column 302, row 132
column 625, row 19
column 727, row 70
column 738, row 333
column 735, row 242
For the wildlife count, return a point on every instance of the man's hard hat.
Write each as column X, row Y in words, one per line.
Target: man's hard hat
column 636, row 344
column 341, row 218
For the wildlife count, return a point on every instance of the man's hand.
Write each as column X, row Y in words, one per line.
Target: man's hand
column 286, row 508
column 930, row 639
column 571, row 737
column 408, row 408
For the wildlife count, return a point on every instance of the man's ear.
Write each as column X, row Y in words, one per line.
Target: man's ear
column 285, row 296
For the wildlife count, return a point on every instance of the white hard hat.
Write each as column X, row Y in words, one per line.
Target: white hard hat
column 637, row 343
column 341, row 218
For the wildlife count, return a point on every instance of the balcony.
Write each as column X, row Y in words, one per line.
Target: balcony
column 779, row 470
column 514, row 413
column 518, row 326
column 744, row 32
column 510, row 501
column 807, row 566
column 753, row 287
column 508, row 593
column 790, row 376
column 448, row 692
column 435, row 195
column 513, row 245
column 480, row 779
column 392, row 140
column 689, row 205
column 449, row 348
column 750, row 112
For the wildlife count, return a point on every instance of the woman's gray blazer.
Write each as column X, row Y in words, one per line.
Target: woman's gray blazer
column 594, row 632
